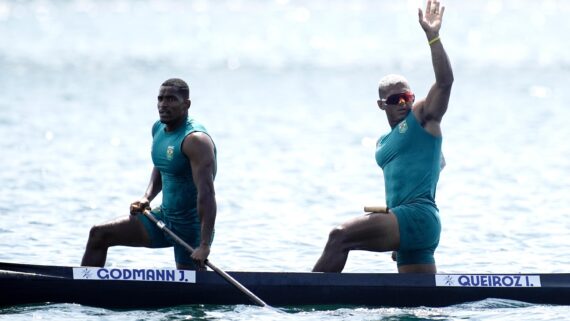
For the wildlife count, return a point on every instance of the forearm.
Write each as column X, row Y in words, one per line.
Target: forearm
column 207, row 212
column 441, row 64
column 154, row 186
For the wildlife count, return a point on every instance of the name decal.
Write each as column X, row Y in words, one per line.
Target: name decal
column 488, row 280
column 125, row 274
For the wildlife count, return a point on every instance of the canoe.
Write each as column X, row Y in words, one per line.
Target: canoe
column 132, row 288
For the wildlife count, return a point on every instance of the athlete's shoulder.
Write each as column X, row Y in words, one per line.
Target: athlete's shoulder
column 156, row 127
column 192, row 125
column 198, row 137
column 381, row 140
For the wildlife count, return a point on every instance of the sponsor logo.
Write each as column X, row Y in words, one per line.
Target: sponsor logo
column 403, row 127
column 152, row 275
column 170, row 152
column 488, row 280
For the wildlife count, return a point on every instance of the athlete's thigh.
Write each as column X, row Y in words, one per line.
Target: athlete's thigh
column 372, row 232
column 128, row 231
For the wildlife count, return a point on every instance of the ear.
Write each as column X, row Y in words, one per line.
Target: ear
column 188, row 102
column 380, row 105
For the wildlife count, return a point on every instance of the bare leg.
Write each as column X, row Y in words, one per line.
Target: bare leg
column 128, row 231
column 372, row 232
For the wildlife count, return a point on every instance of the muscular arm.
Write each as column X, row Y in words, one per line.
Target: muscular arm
column 199, row 148
column 154, row 187
column 432, row 109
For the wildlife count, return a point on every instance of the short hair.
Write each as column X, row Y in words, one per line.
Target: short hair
column 180, row 85
column 390, row 80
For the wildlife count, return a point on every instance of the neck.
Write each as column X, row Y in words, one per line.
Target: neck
column 393, row 121
column 175, row 124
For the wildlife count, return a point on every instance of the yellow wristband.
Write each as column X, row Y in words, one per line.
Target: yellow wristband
column 431, row 42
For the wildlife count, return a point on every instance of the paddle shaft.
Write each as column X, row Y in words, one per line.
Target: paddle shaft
column 376, row 209
column 223, row 274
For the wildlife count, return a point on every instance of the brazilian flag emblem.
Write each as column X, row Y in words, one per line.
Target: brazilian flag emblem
column 403, row 127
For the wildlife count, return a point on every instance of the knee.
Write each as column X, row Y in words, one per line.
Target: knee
column 98, row 236
column 337, row 237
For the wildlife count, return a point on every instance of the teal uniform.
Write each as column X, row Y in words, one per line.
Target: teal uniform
column 410, row 158
column 179, row 208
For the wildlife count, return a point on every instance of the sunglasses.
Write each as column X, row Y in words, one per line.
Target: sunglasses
column 395, row 99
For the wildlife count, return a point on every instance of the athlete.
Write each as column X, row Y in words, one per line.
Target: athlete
column 410, row 156
column 184, row 158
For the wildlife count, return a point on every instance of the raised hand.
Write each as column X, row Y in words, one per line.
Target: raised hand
column 431, row 21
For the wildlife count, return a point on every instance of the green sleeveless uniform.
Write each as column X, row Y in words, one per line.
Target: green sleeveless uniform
column 178, row 209
column 410, row 158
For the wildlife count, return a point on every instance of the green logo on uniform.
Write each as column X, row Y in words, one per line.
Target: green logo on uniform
column 170, row 152
column 403, row 127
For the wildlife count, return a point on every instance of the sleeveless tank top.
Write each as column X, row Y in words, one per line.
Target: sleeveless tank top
column 178, row 189
column 410, row 158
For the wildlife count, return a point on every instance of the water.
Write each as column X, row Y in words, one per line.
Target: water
column 288, row 90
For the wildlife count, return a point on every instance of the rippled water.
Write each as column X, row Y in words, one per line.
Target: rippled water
column 288, row 90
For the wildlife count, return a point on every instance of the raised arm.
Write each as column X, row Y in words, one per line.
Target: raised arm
column 199, row 148
column 435, row 104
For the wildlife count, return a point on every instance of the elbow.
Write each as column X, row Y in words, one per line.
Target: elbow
column 449, row 79
column 444, row 78
column 446, row 83
column 206, row 199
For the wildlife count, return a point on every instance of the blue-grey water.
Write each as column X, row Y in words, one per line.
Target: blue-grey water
column 287, row 89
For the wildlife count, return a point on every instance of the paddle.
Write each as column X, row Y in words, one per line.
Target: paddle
column 376, row 209
column 384, row 210
column 223, row 274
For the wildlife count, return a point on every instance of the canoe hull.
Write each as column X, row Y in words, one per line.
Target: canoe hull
column 31, row 284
